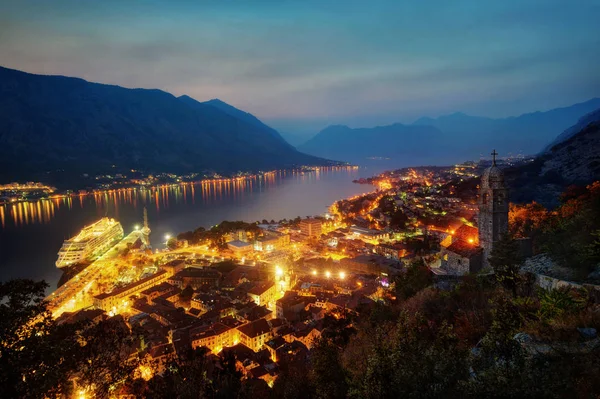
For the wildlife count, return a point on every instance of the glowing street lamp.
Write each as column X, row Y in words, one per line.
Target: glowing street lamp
column 314, row 272
column 167, row 237
column 327, row 274
column 342, row 275
column 136, row 227
column 278, row 271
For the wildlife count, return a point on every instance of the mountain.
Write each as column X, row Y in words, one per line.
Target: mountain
column 241, row 115
column 356, row 145
column 50, row 123
column 447, row 139
column 573, row 158
column 527, row 133
column 592, row 117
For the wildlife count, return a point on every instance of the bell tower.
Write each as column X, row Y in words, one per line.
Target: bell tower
column 493, row 208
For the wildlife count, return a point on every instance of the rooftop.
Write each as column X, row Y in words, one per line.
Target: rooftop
column 256, row 328
column 464, row 249
column 238, row 244
column 260, row 289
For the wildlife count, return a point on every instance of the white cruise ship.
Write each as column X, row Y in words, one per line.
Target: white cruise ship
column 91, row 242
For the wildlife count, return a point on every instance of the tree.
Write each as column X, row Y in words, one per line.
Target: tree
column 506, row 261
column 37, row 356
column 105, row 356
column 414, row 359
column 416, row 277
column 40, row 358
column 327, row 375
column 172, row 243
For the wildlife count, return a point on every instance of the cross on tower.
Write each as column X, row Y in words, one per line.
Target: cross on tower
column 494, row 153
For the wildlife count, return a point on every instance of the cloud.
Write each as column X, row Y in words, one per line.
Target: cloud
column 319, row 60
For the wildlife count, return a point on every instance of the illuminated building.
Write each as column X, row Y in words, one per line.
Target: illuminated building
column 264, row 294
column 311, row 227
column 215, row 337
column 239, row 248
column 256, row 334
column 112, row 301
column 91, row 242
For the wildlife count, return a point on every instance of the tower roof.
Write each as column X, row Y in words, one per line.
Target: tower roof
column 493, row 177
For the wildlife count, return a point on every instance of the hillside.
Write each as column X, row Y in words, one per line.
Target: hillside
column 448, row 139
column 356, row 145
column 50, row 123
column 574, row 160
column 592, row 117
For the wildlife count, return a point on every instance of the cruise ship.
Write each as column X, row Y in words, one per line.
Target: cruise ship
column 91, row 242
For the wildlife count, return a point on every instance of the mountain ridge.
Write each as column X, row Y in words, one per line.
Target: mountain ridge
column 573, row 158
column 460, row 136
column 57, row 123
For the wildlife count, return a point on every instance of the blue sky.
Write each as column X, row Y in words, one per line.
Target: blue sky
column 301, row 65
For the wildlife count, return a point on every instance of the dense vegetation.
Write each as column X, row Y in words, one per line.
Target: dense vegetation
column 570, row 234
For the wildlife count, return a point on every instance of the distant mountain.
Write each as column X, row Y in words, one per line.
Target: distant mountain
column 356, row 145
column 50, row 123
column 574, row 158
column 527, row 133
column 449, row 138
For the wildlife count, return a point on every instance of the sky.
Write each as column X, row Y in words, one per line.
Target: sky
column 302, row 65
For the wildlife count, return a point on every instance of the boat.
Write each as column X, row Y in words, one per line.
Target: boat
column 91, row 242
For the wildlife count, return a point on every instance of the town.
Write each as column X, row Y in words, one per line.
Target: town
column 266, row 291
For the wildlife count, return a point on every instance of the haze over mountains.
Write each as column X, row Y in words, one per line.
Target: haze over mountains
column 572, row 158
column 50, row 123
column 449, row 138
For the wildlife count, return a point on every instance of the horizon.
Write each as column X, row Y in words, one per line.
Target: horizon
column 358, row 65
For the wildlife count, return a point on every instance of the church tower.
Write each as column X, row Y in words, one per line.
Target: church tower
column 493, row 208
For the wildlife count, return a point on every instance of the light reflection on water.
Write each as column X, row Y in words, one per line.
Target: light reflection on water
column 31, row 233
column 156, row 197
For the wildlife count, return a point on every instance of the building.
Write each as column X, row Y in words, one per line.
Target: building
column 196, row 278
column 461, row 258
column 272, row 241
column 311, row 227
column 369, row 235
column 158, row 290
column 113, row 301
column 465, row 233
column 256, row 334
column 394, row 251
column 264, row 293
column 493, row 209
column 215, row 337
column 174, row 266
column 468, row 249
column 239, row 248
column 291, row 303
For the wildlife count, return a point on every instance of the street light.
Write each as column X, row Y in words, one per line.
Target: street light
column 314, row 272
column 327, row 274
column 342, row 275
column 136, row 227
column 278, row 271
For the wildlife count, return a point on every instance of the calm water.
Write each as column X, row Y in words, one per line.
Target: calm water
column 32, row 233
